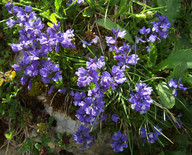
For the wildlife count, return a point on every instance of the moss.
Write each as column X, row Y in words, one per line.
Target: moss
column 36, row 89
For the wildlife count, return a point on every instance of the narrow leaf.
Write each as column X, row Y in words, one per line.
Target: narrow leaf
column 53, row 18
column 57, row 4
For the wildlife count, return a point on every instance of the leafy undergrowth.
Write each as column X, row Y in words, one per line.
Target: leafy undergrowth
column 121, row 68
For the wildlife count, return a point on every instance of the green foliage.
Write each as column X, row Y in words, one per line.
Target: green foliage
column 175, row 59
column 152, row 56
column 169, row 58
column 180, row 71
column 165, row 94
column 57, row 4
column 173, row 7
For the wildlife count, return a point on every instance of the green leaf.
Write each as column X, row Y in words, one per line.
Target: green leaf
column 189, row 81
column 173, row 7
column 108, row 24
column 175, row 59
column 51, row 119
column 179, row 71
column 45, row 139
column 60, row 143
column 25, row 147
column 59, row 135
column 9, row 135
column 53, row 18
column 93, row 85
column 50, row 24
column 152, row 56
column 46, row 14
column 38, row 146
column 58, row 4
column 161, row 3
column 113, row 3
column 165, row 94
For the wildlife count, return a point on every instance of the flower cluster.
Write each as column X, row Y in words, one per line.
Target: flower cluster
column 161, row 27
column 151, row 136
column 122, row 53
column 118, row 142
column 177, row 120
column 82, row 136
column 174, row 84
column 158, row 32
column 36, row 45
column 141, row 100
column 91, row 105
column 103, row 81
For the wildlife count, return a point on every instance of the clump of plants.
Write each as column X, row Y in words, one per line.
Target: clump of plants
column 134, row 80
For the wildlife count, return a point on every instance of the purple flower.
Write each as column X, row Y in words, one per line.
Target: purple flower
column 28, row 8
column 90, row 106
column 110, row 40
column 152, row 38
column 16, row 67
column 29, row 85
column 16, row 47
column 141, row 100
column 161, row 27
column 50, row 89
column 101, row 62
column 140, row 40
column 23, row 80
column 118, row 142
column 152, row 136
column 93, row 41
column 180, row 86
column 62, row 90
column 119, row 33
column 143, row 132
column 158, row 131
column 9, row 6
column 118, row 76
column 85, row 77
column 106, row 80
column 82, row 136
column 91, row 64
column 36, row 46
column 148, row 48
column 125, row 58
column 145, row 31
column 174, row 84
column 115, row 118
column 10, row 23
